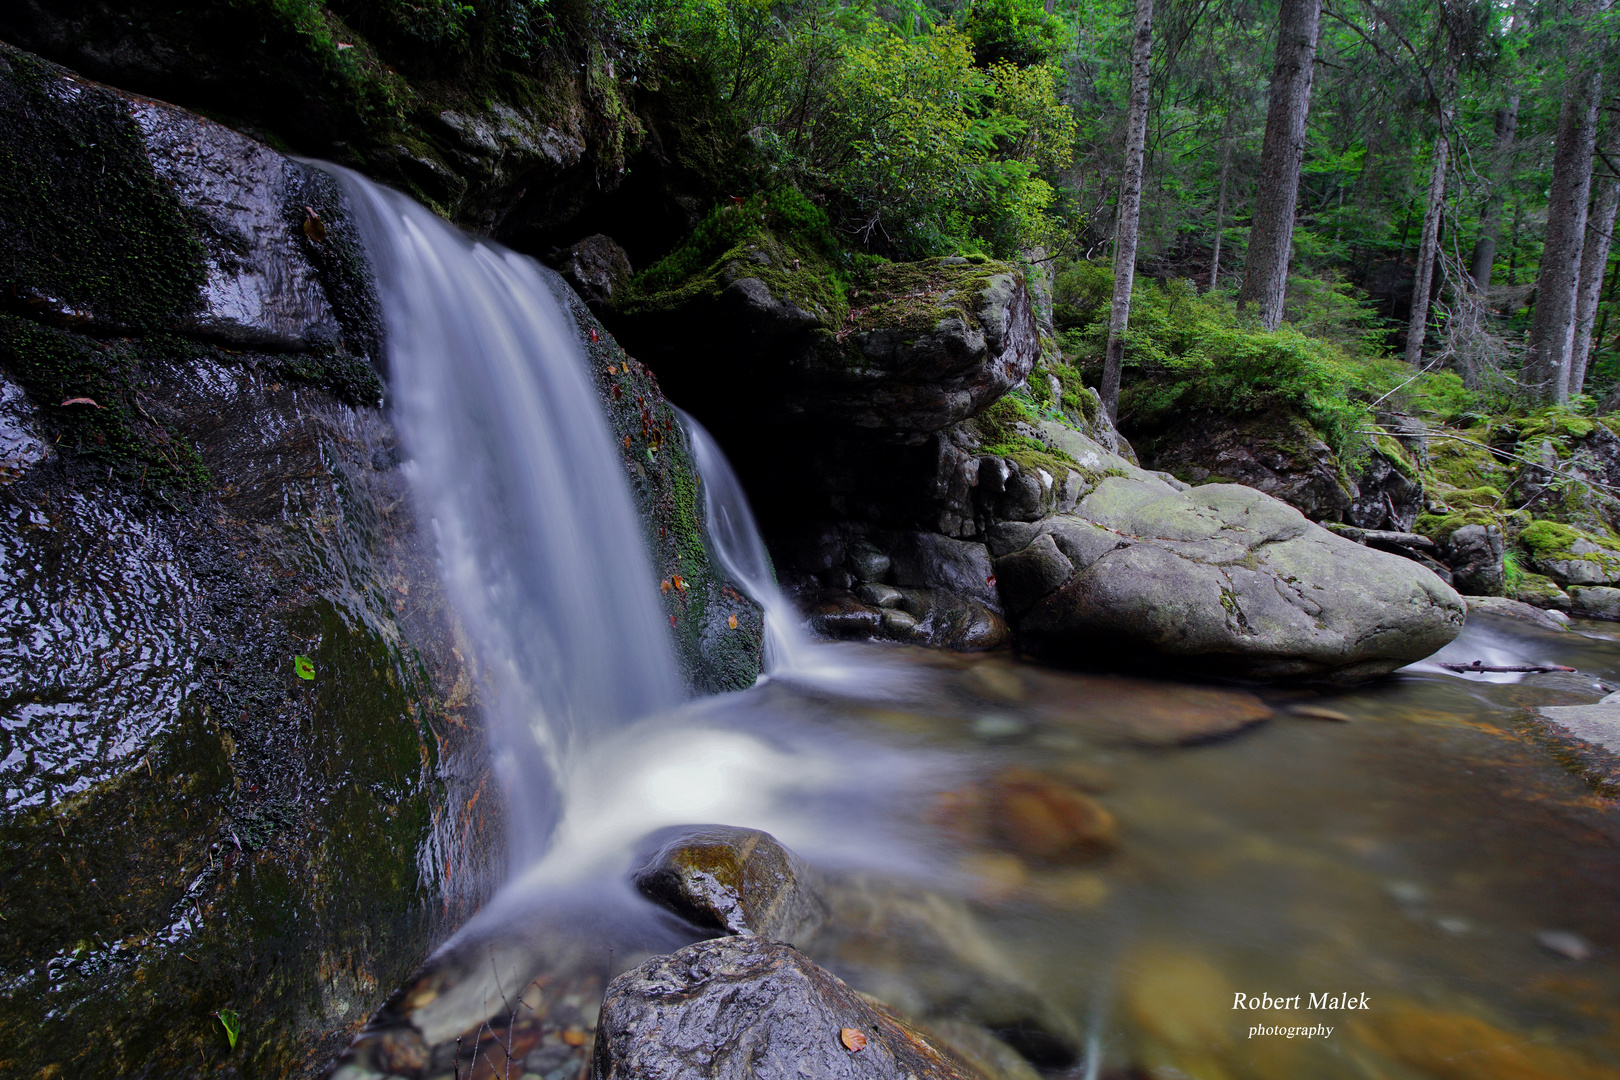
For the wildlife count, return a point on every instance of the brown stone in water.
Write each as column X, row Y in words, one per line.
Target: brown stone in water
column 1453, row 1046
column 1145, row 713
column 1041, row 818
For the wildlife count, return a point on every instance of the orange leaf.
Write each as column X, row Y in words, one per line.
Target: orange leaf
column 81, row 401
column 672, row 620
column 679, row 582
column 314, row 227
column 854, row 1041
column 663, row 586
column 574, row 1037
column 627, row 442
column 732, row 622
column 593, row 333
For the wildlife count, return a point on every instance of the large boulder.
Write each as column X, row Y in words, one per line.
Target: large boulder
column 1221, row 579
column 743, row 1007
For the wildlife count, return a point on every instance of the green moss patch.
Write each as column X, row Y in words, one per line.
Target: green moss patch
column 779, row 237
column 84, row 222
column 999, row 434
column 1544, row 539
column 916, row 297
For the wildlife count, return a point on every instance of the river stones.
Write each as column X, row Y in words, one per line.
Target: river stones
column 1032, row 814
column 744, row 1007
column 734, row 881
column 1220, row 579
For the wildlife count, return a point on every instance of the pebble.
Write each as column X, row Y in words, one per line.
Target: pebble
column 1564, row 943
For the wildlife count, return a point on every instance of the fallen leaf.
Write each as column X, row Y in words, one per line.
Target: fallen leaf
column 617, row 393
column 230, row 1022
column 574, row 1037
column 991, row 580
column 81, row 401
column 854, row 1041
column 663, row 586
column 672, row 620
column 679, row 582
column 594, row 334
column 304, row 667
column 627, row 442
column 732, row 622
column 314, row 227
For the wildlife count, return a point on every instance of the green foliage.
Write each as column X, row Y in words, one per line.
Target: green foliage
column 304, row 667
column 232, row 1025
column 917, row 150
column 1513, row 575
column 1019, row 32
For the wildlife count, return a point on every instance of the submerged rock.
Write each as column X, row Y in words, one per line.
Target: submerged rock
column 743, row 1007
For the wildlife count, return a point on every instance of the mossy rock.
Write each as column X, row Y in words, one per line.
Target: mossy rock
column 1572, row 556
column 1466, row 465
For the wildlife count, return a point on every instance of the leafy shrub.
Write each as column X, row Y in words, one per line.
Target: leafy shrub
column 1019, row 32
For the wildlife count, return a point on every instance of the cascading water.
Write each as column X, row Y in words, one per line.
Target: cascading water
column 741, row 551
column 511, row 459
column 541, row 552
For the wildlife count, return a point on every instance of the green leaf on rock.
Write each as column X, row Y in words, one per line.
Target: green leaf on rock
column 304, row 666
column 227, row 1018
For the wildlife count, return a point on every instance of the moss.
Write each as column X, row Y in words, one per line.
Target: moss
column 1539, row 590
column 1543, row 538
column 999, row 434
column 84, row 222
column 1398, row 456
column 118, row 430
column 915, row 297
column 1556, row 424
column 779, row 237
column 1465, row 463
column 1439, row 527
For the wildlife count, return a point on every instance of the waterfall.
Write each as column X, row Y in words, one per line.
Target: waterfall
column 511, row 460
column 741, row 552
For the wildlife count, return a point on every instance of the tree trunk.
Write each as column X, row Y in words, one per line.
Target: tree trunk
column 1546, row 364
column 1490, row 218
column 1428, row 246
column 1594, row 263
column 1220, row 201
column 1271, row 235
column 1130, row 206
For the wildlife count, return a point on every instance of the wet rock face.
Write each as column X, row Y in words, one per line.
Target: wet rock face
column 747, row 1007
column 504, row 156
column 189, row 823
column 734, row 881
column 595, row 267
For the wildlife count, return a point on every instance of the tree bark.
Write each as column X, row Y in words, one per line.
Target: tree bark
column 1130, row 206
column 1546, row 364
column 1594, row 263
column 1490, row 218
column 1428, row 246
column 1220, row 201
column 1271, row 235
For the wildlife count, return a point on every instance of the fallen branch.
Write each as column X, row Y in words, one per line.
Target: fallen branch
column 1521, row 669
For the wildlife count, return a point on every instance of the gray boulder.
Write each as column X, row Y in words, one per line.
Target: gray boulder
column 1474, row 553
column 1219, row 578
column 742, row 1008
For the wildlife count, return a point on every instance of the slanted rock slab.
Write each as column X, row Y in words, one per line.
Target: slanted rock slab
column 742, row 1008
